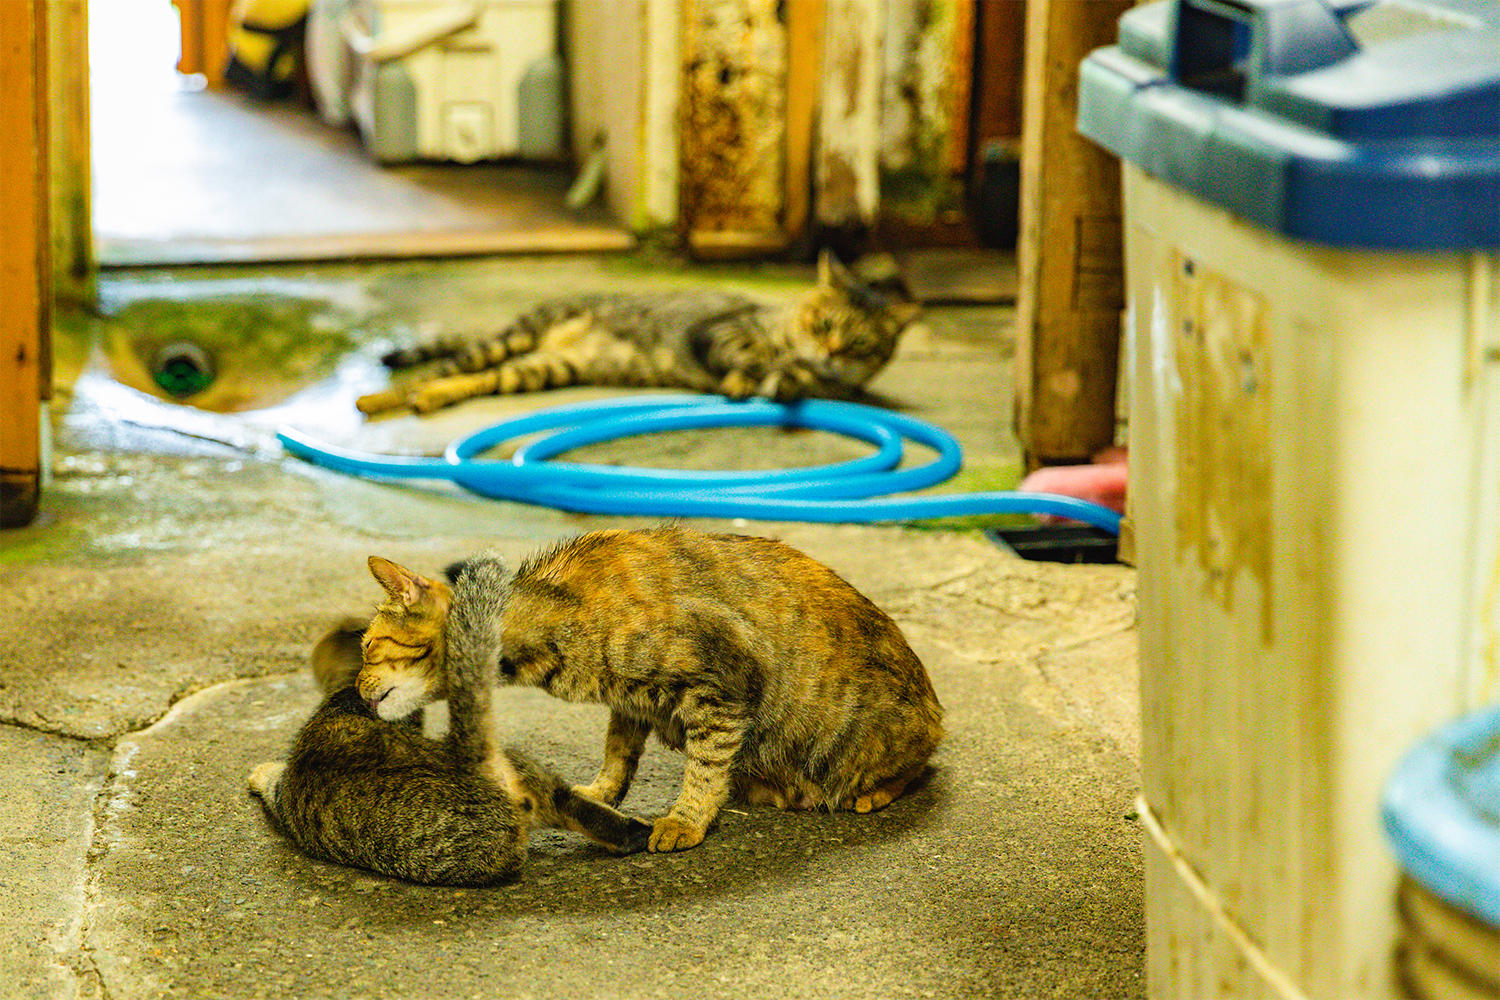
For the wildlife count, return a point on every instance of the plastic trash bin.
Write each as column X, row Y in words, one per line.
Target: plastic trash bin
column 1442, row 815
column 1312, row 214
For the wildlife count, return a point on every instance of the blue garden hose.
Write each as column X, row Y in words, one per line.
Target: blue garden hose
column 844, row 492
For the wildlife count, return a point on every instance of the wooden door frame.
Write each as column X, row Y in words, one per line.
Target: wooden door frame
column 46, row 236
column 25, row 256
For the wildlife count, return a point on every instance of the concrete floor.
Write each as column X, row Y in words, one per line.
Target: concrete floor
column 158, row 617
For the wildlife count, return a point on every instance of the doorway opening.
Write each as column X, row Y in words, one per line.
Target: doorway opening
column 184, row 174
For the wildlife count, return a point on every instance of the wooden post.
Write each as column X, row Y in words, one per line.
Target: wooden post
column 846, row 177
column 804, row 54
column 1070, row 250
column 70, row 178
column 999, row 73
column 205, row 38
column 734, row 116
column 922, row 118
column 24, row 254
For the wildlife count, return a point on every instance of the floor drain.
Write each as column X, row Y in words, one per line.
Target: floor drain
column 1061, row 543
column 182, row 369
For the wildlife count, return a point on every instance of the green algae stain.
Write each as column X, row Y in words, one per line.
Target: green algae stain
column 256, row 349
column 26, row 546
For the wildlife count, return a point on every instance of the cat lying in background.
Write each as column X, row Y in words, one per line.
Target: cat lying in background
column 829, row 344
column 375, row 794
column 782, row 683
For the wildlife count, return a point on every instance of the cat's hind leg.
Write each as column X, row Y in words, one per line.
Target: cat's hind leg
column 605, row 826
column 441, row 346
column 883, row 794
column 543, row 799
column 757, row 792
column 379, row 402
column 266, row 778
column 490, row 353
column 796, row 794
column 442, row 392
column 541, row 369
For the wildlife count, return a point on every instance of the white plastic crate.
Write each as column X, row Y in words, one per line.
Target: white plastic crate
column 462, row 80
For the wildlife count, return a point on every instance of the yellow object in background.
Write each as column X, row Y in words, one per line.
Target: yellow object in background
column 265, row 45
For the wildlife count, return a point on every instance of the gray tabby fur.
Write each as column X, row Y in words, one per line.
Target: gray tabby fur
column 368, row 793
column 829, row 344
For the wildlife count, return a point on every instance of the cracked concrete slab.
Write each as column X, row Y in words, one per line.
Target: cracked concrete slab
column 1014, row 872
column 46, row 832
column 950, row 892
column 159, row 615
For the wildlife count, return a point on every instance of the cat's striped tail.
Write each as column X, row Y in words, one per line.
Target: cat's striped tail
column 473, row 656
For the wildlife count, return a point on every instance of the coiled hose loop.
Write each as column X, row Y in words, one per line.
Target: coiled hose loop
column 845, row 492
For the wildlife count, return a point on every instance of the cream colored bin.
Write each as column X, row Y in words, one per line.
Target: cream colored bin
column 448, row 79
column 1313, row 483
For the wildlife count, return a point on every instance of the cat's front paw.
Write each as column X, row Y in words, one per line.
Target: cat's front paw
column 672, row 834
column 737, row 385
column 637, row 838
column 265, row 777
column 790, row 385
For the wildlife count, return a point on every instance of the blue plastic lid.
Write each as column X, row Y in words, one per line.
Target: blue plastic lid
column 1442, row 814
column 1359, row 124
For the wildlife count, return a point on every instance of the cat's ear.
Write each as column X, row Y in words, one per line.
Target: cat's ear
column 405, row 587
column 831, row 273
column 903, row 314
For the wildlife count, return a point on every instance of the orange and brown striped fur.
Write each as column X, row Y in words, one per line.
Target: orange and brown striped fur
column 828, row 344
column 781, row 682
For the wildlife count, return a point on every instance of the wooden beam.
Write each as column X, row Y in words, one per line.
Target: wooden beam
column 1072, row 276
column 804, row 57
column 24, row 282
column 71, row 182
column 998, row 71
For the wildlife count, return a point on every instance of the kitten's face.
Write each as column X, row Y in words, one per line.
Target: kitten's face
column 855, row 330
column 403, row 649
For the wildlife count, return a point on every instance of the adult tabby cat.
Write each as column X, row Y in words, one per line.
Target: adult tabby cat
column 374, row 794
column 829, row 345
column 781, row 682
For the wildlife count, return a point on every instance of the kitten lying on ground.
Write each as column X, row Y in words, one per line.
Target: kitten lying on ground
column 782, row 683
column 832, row 342
column 376, row 794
